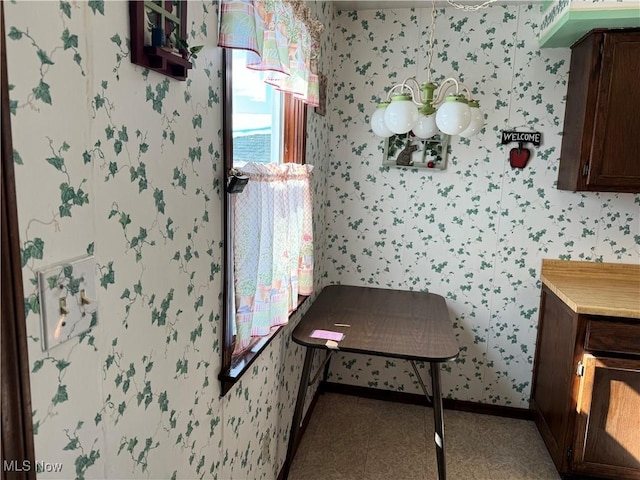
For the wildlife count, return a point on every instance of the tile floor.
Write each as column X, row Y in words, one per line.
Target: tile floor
column 352, row 438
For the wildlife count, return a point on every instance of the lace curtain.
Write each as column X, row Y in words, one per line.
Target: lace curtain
column 279, row 36
column 273, row 247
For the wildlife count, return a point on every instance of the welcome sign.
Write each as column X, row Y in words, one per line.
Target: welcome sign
column 521, row 137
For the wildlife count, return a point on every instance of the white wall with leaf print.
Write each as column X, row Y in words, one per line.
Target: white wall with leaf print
column 477, row 232
column 126, row 164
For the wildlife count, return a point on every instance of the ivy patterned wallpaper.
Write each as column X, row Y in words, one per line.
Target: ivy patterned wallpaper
column 126, row 164
column 476, row 232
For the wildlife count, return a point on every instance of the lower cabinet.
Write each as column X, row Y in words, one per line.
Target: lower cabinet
column 586, row 391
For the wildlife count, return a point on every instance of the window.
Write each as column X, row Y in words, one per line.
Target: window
column 260, row 125
column 257, row 115
column 267, row 126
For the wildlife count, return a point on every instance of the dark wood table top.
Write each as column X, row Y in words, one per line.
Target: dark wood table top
column 389, row 323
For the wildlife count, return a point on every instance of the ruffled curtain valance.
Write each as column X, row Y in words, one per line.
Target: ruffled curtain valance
column 279, row 36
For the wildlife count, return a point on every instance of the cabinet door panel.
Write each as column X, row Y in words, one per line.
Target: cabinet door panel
column 615, row 153
column 554, row 372
column 608, row 425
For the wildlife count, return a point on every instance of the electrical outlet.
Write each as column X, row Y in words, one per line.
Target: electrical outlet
column 68, row 302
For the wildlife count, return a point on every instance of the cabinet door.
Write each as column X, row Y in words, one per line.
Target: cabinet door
column 608, row 426
column 615, row 151
column 553, row 398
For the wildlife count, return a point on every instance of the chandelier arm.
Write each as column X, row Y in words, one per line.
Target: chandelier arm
column 399, row 85
column 466, row 89
column 413, row 94
column 413, row 79
column 416, row 95
column 439, row 97
column 403, row 86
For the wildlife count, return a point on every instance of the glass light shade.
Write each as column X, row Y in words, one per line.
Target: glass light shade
column 377, row 121
column 477, row 120
column 454, row 115
column 401, row 115
column 426, row 126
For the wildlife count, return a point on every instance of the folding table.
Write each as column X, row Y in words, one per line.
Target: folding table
column 409, row 325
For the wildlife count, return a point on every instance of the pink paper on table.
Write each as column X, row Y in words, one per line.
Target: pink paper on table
column 327, row 335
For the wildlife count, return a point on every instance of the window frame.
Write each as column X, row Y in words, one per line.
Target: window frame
column 293, row 151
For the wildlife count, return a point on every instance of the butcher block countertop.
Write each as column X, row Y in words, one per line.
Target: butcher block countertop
column 611, row 289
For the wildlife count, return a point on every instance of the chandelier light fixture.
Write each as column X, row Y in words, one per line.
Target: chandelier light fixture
column 430, row 109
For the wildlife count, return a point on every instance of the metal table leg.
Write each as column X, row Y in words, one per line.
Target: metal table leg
column 297, row 413
column 438, row 419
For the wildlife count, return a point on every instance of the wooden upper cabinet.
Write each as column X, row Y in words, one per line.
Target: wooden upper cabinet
column 601, row 138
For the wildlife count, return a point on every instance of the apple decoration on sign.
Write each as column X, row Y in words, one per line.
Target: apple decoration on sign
column 519, row 157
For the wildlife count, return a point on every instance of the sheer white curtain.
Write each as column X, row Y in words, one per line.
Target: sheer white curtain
column 273, row 247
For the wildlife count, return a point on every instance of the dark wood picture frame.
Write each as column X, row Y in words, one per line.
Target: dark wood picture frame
column 155, row 57
column 322, row 94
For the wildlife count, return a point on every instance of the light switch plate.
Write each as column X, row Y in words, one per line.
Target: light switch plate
column 68, row 302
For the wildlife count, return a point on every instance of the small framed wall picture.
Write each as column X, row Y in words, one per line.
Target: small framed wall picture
column 408, row 151
column 322, row 108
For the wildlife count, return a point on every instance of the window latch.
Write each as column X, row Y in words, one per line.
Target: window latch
column 237, row 181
